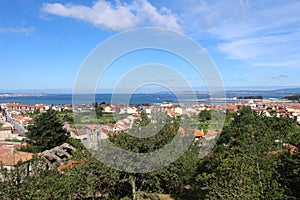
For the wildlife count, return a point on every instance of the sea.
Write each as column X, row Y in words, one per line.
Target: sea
column 65, row 99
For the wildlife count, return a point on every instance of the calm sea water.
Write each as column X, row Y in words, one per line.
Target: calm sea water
column 60, row 99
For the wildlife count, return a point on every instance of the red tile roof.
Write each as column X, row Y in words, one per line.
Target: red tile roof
column 67, row 165
column 198, row 133
column 11, row 158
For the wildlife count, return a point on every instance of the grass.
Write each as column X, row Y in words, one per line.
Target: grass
column 32, row 115
column 106, row 118
column 110, row 118
column 13, row 140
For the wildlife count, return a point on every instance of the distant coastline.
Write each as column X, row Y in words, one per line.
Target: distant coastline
column 276, row 89
column 142, row 98
column 6, row 95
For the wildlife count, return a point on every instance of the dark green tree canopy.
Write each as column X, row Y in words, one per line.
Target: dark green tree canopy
column 241, row 165
column 47, row 132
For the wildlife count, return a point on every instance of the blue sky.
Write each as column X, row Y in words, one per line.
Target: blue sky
column 44, row 43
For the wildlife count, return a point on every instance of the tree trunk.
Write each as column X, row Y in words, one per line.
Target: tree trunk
column 259, row 178
column 132, row 181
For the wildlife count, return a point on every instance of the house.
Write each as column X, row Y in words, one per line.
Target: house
column 137, row 115
column 108, row 129
column 171, row 113
column 131, row 110
column 6, row 131
column 190, row 111
column 211, row 134
column 231, row 107
column 146, row 109
column 25, row 121
column 41, row 107
column 92, row 127
column 165, row 105
column 266, row 113
column 79, row 133
column 198, row 136
column 124, row 124
column 17, row 107
column 18, row 117
column 108, row 108
column 11, row 158
column 178, row 110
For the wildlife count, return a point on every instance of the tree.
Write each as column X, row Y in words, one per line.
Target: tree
column 98, row 109
column 144, row 119
column 241, row 166
column 99, row 112
column 47, row 132
column 204, row 119
column 170, row 179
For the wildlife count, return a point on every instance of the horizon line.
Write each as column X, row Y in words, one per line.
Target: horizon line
column 110, row 91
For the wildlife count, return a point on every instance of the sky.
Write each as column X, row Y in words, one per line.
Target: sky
column 43, row 44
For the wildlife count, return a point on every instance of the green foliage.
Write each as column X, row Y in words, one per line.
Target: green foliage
column 170, row 179
column 204, row 119
column 241, row 166
column 13, row 140
column 76, row 143
column 47, row 132
column 295, row 97
column 144, row 119
column 99, row 112
column 88, row 179
column 288, row 167
column 165, row 133
column 31, row 115
column 205, row 115
column 210, row 119
column 66, row 116
column 251, row 97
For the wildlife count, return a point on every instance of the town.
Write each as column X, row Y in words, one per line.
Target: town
column 15, row 118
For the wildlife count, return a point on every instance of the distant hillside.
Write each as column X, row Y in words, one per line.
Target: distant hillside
column 281, row 90
column 279, row 93
column 288, row 90
column 295, row 97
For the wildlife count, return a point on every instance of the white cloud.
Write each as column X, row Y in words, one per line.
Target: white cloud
column 291, row 63
column 161, row 18
column 264, row 46
column 279, row 76
column 25, row 31
column 118, row 17
column 256, row 33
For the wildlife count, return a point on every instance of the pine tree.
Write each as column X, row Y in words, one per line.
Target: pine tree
column 241, row 166
column 47, row 132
